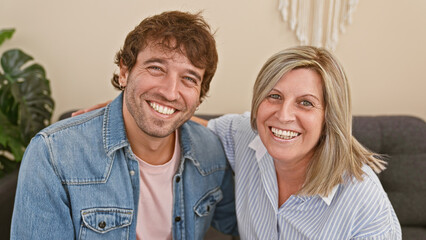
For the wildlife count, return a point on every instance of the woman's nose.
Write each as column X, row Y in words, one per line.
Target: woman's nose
column 286, row 112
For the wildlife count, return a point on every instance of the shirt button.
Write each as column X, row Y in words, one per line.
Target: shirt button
column 102, row 224
column 177, row 219
column 132, row 172
column 177, row 179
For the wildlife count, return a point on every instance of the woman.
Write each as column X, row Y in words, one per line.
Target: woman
column 300, row 174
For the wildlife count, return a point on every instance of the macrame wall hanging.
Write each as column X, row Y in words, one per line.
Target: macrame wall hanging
column 318, row 22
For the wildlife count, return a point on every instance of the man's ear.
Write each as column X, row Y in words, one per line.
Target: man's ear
column 123, row 75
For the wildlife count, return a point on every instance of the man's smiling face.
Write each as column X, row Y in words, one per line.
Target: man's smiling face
column 162, row 90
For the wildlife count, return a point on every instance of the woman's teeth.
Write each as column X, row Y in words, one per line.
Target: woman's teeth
column 283, row 134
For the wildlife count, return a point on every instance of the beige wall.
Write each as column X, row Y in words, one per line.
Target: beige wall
column 383, row 50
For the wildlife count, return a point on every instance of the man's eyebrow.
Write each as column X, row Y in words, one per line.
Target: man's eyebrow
column 195, row 74
column 154, row 60
column 162, row 61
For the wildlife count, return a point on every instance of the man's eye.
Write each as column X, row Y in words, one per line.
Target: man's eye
column 306, row 103
column 154, row 68
column 191, row 79
column 155, row 71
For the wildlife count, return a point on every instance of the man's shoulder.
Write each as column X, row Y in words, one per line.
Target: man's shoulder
column 199, row 137
column 197, row 131
column 202, row 144
column 80, row 123
column 76, row 148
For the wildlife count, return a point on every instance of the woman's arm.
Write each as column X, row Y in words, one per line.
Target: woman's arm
column 100, row 105
column 200, row 120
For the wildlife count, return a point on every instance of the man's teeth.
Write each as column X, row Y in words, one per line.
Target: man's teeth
column 284, row 134
column 162, row 109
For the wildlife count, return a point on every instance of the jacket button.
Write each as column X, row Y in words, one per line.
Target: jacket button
column 102, row 224
column 177, row 179
column 208, row 208
column 177, row 219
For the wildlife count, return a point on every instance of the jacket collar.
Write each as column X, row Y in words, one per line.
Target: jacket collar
column 114, row 136
column 202, row 148
column 189, row 150
column 114, row 132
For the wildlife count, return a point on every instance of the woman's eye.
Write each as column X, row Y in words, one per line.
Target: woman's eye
column 306, row 103
column 274, row 96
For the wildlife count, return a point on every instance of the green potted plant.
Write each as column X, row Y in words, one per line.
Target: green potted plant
column 25, row 103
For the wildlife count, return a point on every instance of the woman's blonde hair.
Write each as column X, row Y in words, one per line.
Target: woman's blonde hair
column 338, row 155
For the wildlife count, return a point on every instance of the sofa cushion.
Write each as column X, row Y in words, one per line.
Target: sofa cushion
column 402, row 140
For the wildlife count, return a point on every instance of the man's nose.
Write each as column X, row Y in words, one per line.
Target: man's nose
column 170, row 87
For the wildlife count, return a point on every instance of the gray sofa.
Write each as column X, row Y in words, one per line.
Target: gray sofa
column 401, row 138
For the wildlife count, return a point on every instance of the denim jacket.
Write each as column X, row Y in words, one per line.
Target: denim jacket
column 80, row 180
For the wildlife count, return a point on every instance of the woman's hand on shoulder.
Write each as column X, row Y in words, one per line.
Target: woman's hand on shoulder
column 200, row 120
column 94, row 107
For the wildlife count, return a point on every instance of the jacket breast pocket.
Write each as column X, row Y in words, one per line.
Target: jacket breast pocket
column 208, row 202
column 105, row 223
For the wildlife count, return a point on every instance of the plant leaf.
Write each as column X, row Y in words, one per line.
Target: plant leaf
column 12, row 61
column 10, row 137
column 6, row 34
column 27, row 93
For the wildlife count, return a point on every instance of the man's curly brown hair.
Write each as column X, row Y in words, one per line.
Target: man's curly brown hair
column 174, row 31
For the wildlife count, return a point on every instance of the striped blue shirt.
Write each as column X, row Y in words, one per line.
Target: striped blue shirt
column 354, row 210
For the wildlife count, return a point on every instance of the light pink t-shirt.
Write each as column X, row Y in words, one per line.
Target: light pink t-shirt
column 156, row 198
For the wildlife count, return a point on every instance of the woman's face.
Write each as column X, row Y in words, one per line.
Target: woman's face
column 291, row 118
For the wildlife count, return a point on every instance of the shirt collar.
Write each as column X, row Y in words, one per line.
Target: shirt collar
column 329, row 198
column 257, row 145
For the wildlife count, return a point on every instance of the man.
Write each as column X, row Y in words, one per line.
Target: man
column 137, row 168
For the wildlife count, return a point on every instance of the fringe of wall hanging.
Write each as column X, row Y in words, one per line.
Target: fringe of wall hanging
column 318, row 22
